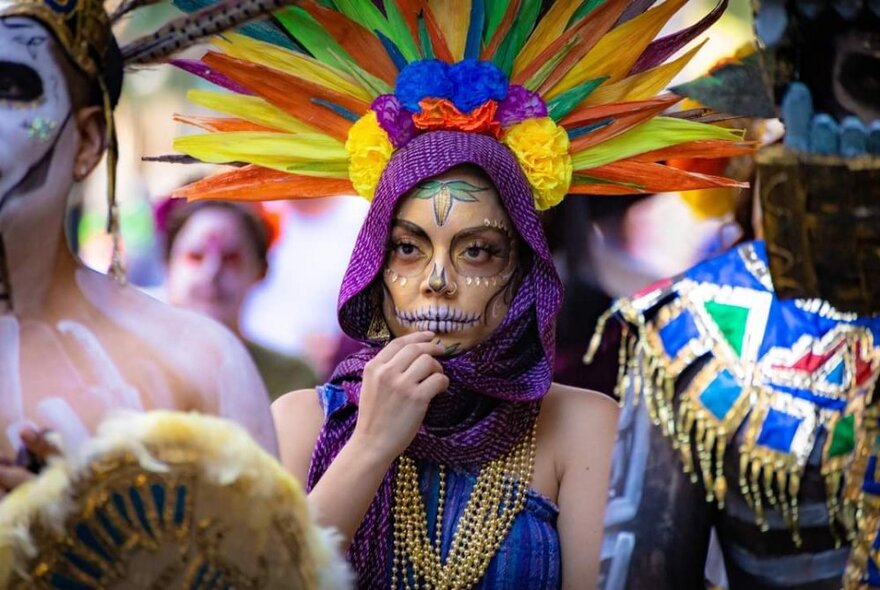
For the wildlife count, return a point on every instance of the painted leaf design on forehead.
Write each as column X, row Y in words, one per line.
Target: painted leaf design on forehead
column 443, row 194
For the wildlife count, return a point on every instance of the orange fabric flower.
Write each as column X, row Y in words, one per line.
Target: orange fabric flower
column 439, row 113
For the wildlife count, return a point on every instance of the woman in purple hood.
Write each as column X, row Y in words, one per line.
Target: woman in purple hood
column 442, row 450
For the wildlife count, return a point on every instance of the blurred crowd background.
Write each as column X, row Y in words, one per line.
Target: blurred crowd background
column 606, row 246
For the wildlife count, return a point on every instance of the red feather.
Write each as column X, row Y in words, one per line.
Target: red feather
column 291, row 94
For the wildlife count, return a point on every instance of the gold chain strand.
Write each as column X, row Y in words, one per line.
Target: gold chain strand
column 496, row 499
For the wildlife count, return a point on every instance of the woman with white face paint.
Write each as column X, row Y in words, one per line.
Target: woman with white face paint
column 74, row 344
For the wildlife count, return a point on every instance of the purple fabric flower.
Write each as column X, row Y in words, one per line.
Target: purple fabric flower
column 476, row 82
column 394, row 119
column 519, row 105
column 428, row 78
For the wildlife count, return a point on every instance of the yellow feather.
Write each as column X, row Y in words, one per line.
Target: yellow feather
column 310, row 154
column 644, row 85
column 453, row 17
column 250, row 108
column 617, row 52
column 548, row 30
column 658, row 133
column 296, row 64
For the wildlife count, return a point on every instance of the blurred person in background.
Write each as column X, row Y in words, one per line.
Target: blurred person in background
column 216, row 252
column 294, row 309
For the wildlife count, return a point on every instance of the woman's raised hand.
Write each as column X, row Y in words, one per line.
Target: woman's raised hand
column 398, row 385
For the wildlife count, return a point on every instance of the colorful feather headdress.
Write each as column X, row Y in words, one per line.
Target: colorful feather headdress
column 323, row 95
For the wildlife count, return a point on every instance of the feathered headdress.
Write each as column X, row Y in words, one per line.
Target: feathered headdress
column 324, row 95
column 83, row 28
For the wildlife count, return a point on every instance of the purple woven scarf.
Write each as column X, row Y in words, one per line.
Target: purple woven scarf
column 496, row 387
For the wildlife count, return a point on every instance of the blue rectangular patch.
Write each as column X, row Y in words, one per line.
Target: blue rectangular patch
column 678, row 333
column 778, row 430
column 721, row 394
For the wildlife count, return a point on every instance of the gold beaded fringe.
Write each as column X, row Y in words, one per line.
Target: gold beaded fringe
column 498, row 496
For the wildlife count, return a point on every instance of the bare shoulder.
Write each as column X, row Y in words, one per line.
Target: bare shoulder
column 298, row 408
column 170, row 332
column 298, row 417
column 576, row 409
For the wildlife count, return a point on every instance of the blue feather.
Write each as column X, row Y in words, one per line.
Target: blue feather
column 392, row 50
column 341, row 111
column 577, row 132
column 475, row 30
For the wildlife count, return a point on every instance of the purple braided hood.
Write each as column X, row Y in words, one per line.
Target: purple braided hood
column 496, row 387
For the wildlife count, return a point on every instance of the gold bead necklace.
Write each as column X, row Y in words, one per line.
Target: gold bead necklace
column 498, row 496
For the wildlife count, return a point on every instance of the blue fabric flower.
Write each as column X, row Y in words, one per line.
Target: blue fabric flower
column 428, row 78
column 475, row 82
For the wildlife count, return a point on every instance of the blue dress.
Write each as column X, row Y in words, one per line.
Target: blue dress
column 529, row 557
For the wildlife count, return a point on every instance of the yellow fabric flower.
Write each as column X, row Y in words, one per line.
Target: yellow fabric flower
column 369, row 150
column 541, row 147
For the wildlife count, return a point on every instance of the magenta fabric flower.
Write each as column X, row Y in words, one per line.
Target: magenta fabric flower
column 394, row 119
column 520, row 104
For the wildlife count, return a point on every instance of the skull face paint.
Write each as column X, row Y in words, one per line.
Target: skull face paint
column 450, row 262
column 38, row 140
column 35, row 108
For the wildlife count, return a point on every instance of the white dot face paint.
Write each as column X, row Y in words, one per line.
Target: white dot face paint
column 451, row 260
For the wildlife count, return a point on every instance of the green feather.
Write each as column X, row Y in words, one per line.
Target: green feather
column 495, row 11
column 656, row 134
column 400, row 33
column 425, row 39
column 376, row 85
column 585, row 9
column 547, row 67
column 561, row 105
column 364, row 13
column 518, row 35
column 585, row 179
column 311, row 35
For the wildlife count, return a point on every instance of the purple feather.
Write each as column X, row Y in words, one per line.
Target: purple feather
column 661, row 49
column 636, row 8
column 197, row 68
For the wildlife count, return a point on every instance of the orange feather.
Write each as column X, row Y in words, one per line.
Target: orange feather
column 363, row 46
column 291, row 94
column 438, row 41
column 254, row 183
column 622, row 123
column 650, row 177
column 594, row 113
column 410, row 10
column 221, row 124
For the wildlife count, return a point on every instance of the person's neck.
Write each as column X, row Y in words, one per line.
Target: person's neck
column 31, row 269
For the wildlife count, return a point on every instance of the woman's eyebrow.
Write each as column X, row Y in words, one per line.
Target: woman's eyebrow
column 478, row 229
column 411, row 227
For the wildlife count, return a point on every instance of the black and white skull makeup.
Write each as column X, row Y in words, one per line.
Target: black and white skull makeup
column 451, row 260
column 37, row 134
column 38, row 143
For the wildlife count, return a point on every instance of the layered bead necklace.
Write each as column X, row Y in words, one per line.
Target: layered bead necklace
column 498, row 496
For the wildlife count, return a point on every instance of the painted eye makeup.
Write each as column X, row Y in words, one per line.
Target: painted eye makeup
column 407, row 254
column 485, row 254
column 19, row 83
